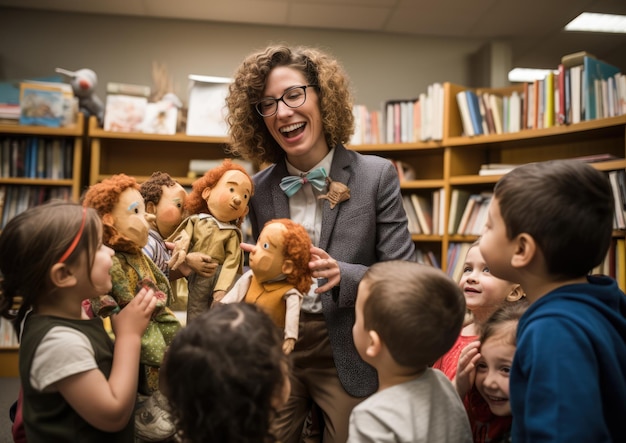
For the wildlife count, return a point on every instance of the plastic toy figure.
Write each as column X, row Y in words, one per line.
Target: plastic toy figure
column 84, row 82
column 120, row 205
column 219, row 203
column 279, row 275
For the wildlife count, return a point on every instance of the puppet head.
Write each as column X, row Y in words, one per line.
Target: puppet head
column 165, row 199
column 223, row 192
column 120, row 206
column 283, row 248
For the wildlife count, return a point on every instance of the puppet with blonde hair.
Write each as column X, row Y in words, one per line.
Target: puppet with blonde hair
column 279, row 275
column 120, row 205
column 218, row 203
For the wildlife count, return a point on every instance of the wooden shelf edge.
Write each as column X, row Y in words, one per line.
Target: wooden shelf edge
column 422, row 184
column 95, row 131
column 29, row 130
column 36, row 181
column 528, row 134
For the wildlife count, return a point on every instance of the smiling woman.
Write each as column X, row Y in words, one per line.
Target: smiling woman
column 292, row 108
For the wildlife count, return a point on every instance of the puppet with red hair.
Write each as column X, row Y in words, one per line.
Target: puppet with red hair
column 218, row 203
column 279, row 275
column 121, row 207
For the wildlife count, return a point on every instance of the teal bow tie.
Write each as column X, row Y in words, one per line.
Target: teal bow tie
column 292, row 183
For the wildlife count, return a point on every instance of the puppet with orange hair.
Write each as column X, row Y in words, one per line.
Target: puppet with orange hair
column 121, row 207
column 218, row 203
column 279, row 275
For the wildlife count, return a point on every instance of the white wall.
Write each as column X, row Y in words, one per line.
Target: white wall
column 122, row 49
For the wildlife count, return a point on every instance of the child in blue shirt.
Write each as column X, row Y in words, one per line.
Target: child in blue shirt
column 549, row 224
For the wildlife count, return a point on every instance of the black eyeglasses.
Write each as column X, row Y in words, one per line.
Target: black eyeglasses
column 293, row 97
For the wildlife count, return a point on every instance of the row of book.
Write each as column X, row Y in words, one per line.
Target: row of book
column 581, row 88
column 36, row 157
column 468, row 211
column 16, row 199
column 402, row 121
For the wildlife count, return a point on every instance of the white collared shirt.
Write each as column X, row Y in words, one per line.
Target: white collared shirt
column 306, row 209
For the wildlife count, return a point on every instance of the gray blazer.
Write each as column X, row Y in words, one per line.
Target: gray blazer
column 369, row 227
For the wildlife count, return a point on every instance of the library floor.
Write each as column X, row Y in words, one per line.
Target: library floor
column 9, row 388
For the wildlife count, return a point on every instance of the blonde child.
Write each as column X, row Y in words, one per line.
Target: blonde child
column 407, row 315
column 76, row 384
column 484, row 294
column 485, row 389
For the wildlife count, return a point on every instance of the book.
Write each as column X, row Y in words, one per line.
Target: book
column 413, row 223
column 124, row 113
column 496, row 168
column 619, row 218
column 474, row 111
column 424, row 212
column 561, row 114
column 41, row 104
column 197, row 167
column 128, row 89
column 594, row 70
column 548, row 100
column 207, row 106
column 495, row 104
column 458, row 200
column 575, row 59
column 466, row 120
column 576, row 95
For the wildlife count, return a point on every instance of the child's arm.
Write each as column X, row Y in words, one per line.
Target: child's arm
column 466, row 368
column 108, row 404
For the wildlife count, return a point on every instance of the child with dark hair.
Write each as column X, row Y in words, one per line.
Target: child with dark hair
column 407, row 316
column 226, row 375
column 485, row 387
column 548, row 225
column 76, row 384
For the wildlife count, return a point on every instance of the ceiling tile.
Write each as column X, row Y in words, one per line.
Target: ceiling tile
column 357, row 17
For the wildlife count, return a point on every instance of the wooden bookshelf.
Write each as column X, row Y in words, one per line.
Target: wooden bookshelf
column 139, row 155
column 455, row 161
column 75, row 132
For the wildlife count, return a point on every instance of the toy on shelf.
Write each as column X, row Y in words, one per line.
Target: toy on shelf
column 84, row 82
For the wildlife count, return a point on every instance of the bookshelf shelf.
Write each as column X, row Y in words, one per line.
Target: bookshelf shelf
column 15, row 178
column 139, row 155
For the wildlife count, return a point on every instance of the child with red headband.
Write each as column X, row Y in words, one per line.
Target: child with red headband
column 76, row 384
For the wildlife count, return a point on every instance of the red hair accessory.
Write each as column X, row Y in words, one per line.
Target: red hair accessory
column 74, row 243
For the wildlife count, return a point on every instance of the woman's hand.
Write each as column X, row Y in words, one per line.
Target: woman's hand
column 324, row 266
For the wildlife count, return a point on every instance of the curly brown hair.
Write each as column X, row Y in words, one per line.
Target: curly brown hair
column 103, row 197
column 195, row 203
column 297, row 248
column 248, row 133
column 152, row 189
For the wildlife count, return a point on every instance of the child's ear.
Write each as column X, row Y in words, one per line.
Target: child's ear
column 525, row 250
column 375, row 345
column 62, row 276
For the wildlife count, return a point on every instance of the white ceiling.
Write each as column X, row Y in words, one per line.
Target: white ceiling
column 533, row 27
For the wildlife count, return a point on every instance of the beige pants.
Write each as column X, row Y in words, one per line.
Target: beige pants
column 314, row 378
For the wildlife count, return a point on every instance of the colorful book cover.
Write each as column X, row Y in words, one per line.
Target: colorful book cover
column 474, row 111
column 593, row 70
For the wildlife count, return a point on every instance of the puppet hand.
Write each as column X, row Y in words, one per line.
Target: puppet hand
column 134, row 318
column 324, row 266
column 178, row 258
column 288, row 345
column 466, row 368
column 246, row 247
column 218, row 296
column 201, row 264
